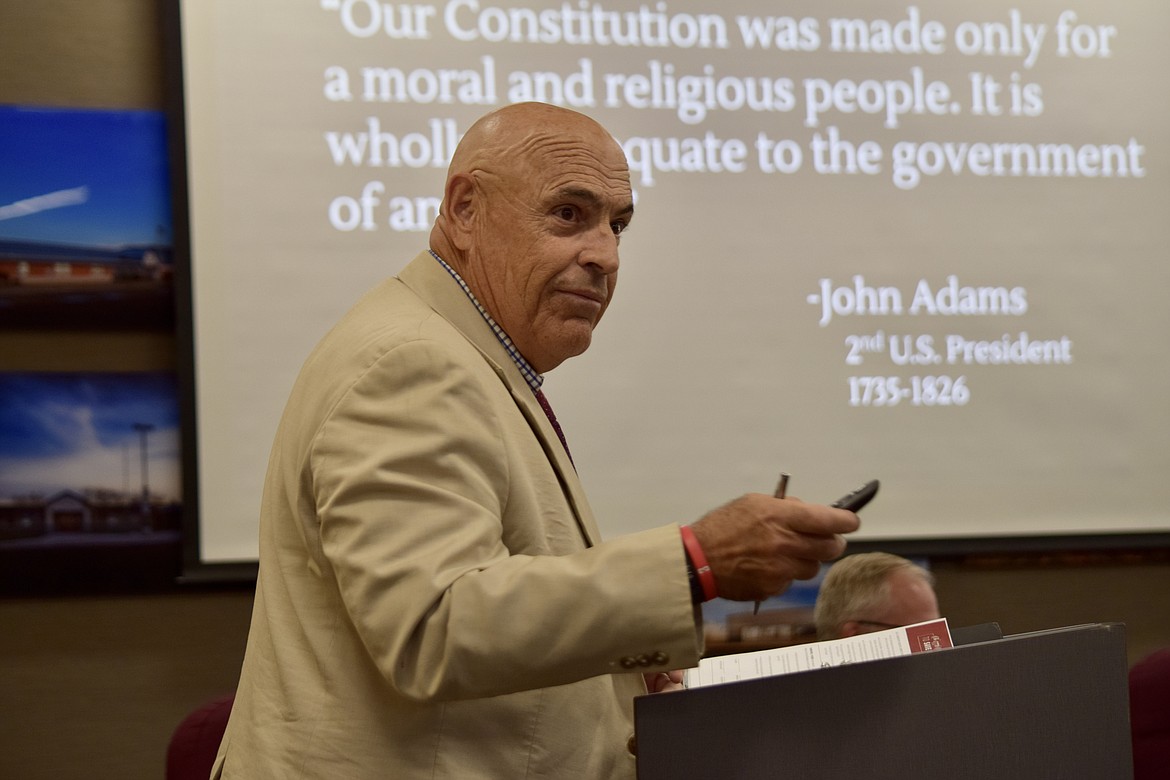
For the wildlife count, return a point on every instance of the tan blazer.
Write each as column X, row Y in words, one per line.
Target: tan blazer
column 433, row 600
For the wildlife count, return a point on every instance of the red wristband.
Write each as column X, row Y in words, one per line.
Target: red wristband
column 699, row 561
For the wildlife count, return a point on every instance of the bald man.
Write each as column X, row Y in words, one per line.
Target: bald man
column 434, row 599
column 870, row 592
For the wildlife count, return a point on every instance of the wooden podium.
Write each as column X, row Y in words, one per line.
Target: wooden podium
column 1044, row 705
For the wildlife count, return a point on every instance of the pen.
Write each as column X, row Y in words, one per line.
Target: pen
column 782, row 487
column 781, row 491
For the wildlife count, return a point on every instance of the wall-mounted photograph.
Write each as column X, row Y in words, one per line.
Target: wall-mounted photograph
column 89, row 481
column 85, row 224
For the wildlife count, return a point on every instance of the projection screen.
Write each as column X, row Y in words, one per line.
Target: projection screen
column 922, row 243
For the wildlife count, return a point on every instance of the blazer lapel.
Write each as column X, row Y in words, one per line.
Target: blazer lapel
column 434, row 285
column 555, row 452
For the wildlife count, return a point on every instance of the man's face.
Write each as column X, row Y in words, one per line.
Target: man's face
column 544, row 259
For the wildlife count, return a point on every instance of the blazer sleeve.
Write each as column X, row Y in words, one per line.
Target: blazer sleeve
column 456, row 553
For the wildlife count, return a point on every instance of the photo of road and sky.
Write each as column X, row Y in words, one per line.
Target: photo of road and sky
column 85, row 432
column 89, row 480
column 85, row 221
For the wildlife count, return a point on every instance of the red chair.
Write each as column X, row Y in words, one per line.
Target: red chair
column 1149, row 715
column 195, row 741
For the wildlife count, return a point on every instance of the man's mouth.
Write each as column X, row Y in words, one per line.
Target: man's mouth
column 588, row 294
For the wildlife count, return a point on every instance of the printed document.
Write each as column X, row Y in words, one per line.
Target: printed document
column 904, row 640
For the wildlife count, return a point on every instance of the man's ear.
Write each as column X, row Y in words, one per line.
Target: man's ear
column 461, row 199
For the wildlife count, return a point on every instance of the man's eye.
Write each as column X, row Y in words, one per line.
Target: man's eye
column 618, row 227
column 567, row 213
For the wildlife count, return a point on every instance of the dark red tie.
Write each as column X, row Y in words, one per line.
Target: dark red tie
column 552, row 418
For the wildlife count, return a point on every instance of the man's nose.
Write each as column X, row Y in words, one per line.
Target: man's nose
column 602, row 251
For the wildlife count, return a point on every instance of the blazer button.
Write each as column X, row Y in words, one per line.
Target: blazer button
column 661, row 658
column 628, row 662
column 632, row 745
column 643, row 660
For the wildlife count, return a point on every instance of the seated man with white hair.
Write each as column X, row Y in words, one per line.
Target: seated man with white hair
column 874, row 591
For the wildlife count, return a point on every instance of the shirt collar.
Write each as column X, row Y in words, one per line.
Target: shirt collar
column 534, row 379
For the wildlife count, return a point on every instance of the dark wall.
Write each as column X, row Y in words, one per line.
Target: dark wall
column 93, row 686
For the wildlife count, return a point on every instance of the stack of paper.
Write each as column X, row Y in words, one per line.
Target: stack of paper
column 904, row 640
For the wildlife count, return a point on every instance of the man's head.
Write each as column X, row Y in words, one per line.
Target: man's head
column 535, row 201
column 871, row 592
